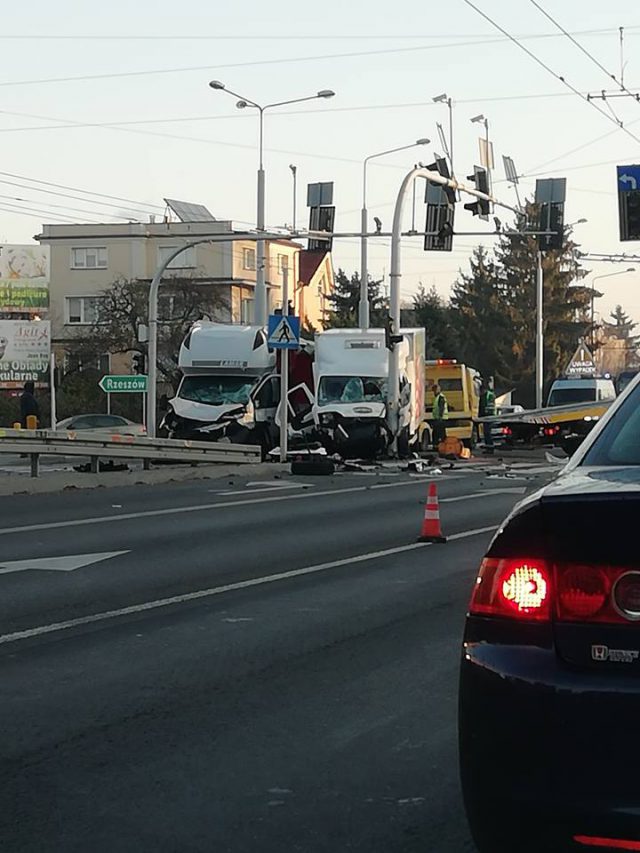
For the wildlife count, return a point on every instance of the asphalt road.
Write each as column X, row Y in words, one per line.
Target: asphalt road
column 254, row 667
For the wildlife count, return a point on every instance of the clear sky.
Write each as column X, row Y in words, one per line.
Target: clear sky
column 140, row 122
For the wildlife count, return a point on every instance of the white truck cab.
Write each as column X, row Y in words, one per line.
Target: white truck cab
column 351, row 371
column 228, row 388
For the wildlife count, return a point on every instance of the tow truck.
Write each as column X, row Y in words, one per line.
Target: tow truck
column 461, row 386
column 564, row 426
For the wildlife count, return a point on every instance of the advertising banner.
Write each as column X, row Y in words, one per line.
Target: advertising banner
column 24, row 280
column 25, row 350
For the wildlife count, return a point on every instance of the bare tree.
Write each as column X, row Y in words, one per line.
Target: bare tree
column 123, row 307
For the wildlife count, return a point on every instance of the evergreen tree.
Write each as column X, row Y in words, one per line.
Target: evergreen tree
column 479, row 312
column 345, row 301
column 624, row 326
column 566, row 307
column 436, row 316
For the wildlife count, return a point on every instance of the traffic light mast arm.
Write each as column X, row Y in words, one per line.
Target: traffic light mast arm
column 393, row 388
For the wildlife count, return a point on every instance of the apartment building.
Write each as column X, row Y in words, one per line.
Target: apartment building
column 86, row 260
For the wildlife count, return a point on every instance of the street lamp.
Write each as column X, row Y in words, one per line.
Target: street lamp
column 445, row 99
column 364, row 228
column 488, row 154
column 260, row 304
column 593, row 293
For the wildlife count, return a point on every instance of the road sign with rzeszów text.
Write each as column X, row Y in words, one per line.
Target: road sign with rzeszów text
column 124, row 384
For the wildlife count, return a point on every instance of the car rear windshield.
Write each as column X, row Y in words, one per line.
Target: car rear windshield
column 619, row 442
column 564, row 396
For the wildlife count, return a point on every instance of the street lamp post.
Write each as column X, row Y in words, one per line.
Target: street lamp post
column 488, row 164
column 445, row 99
column 260, row 299
column 363, row 313
column 593, row 294
column 294, row 175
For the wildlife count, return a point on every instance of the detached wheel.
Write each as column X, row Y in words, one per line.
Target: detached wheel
column 310, row 467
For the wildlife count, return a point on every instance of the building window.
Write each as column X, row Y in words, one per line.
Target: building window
column 81, row 310
column 89, row 258
column 283, row 263
column 249, row 259
column 246, row 311
column 187, row 260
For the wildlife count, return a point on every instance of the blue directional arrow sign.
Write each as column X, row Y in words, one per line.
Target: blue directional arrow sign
column 628, row 178
column 283, row 331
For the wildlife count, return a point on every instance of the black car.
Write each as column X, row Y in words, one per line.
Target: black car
column 549, row 702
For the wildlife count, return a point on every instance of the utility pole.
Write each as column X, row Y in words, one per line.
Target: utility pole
column 284, row 373
column 395, row 274
column 363, row 312
column 539, row 332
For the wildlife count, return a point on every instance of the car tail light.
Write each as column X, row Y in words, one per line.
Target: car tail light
column 536, row 589
column 551, row 430
column 597, row 594
column 513, row 588
column 506, row 431
column 582, row 591
column 607, row 843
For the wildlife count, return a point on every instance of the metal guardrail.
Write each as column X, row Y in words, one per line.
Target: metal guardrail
column 36, row 443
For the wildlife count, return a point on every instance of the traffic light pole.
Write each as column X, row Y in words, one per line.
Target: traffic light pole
column 393, row 387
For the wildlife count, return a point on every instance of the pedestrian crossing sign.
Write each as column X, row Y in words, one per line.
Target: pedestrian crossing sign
column 283, row 332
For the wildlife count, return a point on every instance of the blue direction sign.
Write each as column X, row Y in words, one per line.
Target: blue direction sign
column 628, row 178
column 283, row 331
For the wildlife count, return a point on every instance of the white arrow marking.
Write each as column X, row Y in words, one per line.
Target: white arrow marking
column 629, row 179
column 57, row 564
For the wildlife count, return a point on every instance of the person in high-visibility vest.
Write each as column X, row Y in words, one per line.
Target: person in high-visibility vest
column 440, row 413
column 487, row 409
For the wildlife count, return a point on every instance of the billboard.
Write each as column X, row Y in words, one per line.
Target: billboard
column 24, row 280
column 25, row 351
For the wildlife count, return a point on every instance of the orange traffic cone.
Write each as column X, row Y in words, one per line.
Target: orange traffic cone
column 431, row 530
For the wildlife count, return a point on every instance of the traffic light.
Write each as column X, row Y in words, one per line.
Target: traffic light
column 480, row 207
column 441, row 206
column 550, row 197
column 551, row 219
column 441, row 166
column 138, row 363
column 390, row 340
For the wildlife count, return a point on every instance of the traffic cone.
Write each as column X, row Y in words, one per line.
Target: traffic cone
column 431, row 530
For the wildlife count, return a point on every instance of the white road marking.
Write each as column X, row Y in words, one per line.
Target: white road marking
column 515, row 490
column 57, row 564
column 177, row 510
column 54, row 627
column 264, row 488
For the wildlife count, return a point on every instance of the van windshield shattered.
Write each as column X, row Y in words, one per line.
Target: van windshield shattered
column 216, row 390
column 352, row 389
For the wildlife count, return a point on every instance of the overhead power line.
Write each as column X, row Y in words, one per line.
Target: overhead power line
column 550, row 70
column 38, row 213
column 273, row 37
column 79, row 190
column 589, row 55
